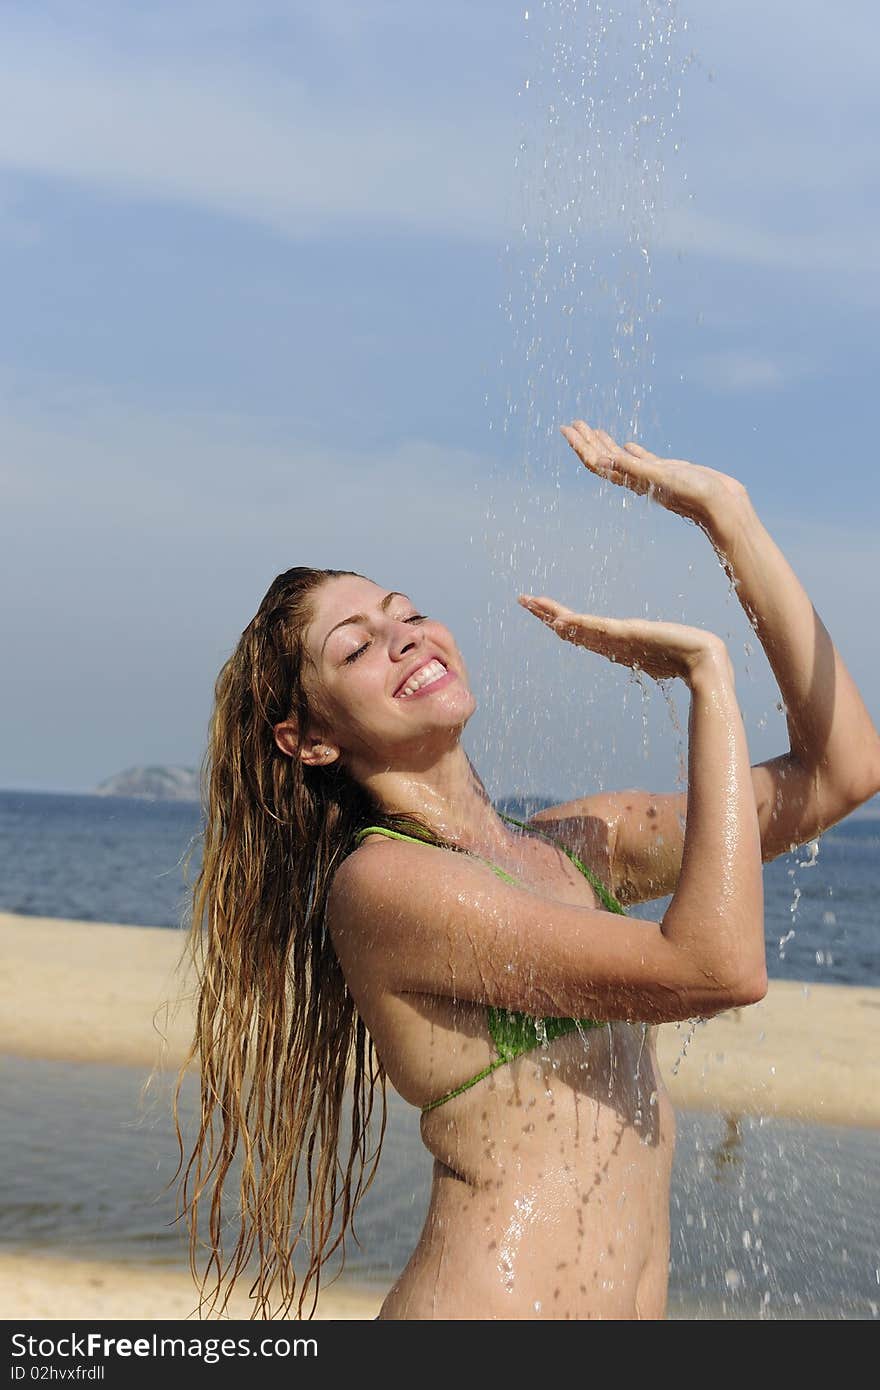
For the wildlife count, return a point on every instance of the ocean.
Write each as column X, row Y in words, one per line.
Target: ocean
column 770, row 1218
column 119, row 859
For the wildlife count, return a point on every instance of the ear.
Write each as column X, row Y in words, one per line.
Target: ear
column 286, row 736
column 318, row 752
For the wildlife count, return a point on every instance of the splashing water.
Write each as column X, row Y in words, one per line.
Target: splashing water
column 692, row 1025
column 596, row 168
column 599, row 113
column 813, row 850
column 596, row 157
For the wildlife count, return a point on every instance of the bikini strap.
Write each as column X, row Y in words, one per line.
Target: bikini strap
column 606, row 898
column 383, row 830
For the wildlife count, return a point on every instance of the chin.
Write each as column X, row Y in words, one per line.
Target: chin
column 470, row 706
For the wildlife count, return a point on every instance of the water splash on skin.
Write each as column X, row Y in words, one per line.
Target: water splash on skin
column 523, row 1213
column 637, row 1118
column 665, row 688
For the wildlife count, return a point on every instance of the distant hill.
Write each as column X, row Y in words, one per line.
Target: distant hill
column 157, row 783
column 164, row 782
column 168, row 783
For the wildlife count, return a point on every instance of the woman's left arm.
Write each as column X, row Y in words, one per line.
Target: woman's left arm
column 833, row 763
column 831, row 734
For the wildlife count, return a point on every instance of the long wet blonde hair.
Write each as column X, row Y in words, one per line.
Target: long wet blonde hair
column 277, row 1036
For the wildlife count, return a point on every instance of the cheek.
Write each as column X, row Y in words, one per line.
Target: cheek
column 322, row 706
column 444, row 638
column 361, row 684
column 448, row 643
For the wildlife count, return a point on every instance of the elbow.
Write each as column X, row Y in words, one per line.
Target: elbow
column 751, row 989
column 874, row 783
column 713, row 993
column 865, row 789
column 862, row 784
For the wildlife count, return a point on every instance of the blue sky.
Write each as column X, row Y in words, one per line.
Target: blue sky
column 290, row 284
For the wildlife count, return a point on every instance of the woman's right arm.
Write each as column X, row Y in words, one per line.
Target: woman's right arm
column 407, row 918
column 716, row 915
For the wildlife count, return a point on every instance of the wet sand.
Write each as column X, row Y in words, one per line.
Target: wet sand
column 42, row 1287
column 106, row 993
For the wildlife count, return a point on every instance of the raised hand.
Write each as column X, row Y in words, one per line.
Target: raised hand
column 660, row 649
column 688, row 489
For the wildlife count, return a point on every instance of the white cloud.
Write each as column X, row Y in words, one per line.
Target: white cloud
column 220, row 123
column 736, row 372
column 845, row 252
column 242, row 142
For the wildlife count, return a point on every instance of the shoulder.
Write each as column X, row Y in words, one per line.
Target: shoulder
column 587, row 825
column 382, row 870
column 383, row 886
column 597, row 829
column 635, row 835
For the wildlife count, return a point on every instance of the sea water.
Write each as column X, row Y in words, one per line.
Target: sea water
column 120, row 859
column 769, row 1218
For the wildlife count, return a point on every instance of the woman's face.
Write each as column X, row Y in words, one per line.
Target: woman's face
column 369, row 650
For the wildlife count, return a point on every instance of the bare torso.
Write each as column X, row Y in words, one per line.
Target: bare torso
column 550, row 1193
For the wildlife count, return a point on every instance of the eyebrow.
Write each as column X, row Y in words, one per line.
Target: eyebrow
column 361, row 617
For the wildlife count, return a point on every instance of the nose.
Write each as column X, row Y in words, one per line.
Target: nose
column 405, row 638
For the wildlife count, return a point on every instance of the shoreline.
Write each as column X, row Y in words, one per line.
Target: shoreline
column 99, row 992
column 106, row 994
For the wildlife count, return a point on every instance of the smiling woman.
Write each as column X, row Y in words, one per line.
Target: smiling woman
column 326, row 649
column 363, row 914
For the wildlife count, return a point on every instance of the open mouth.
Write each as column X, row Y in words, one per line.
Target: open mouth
column 428, row 677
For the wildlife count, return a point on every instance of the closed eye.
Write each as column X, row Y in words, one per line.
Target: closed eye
column 416, row 618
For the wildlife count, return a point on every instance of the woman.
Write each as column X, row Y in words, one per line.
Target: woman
column 363, row 912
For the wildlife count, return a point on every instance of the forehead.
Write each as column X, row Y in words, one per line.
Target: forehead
column 339, row 598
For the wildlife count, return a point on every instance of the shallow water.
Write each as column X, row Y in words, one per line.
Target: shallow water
column 770, row 1219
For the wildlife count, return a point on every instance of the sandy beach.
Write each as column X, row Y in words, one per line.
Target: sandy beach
column 101, row 992
column 108, row 993
column 42, row 1287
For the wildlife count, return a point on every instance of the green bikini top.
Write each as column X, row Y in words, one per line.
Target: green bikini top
column 514, row 1033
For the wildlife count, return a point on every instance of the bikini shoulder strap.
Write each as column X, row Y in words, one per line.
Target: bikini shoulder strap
column 383, row 830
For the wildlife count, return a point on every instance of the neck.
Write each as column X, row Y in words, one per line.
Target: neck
column 450, row 796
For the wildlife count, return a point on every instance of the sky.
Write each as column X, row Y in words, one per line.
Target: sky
column 287, row 284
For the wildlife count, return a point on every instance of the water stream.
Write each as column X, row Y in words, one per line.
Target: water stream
column 600, row 156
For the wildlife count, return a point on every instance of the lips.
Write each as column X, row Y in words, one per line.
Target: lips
column 433, row 656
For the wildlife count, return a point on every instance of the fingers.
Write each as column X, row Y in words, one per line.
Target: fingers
column 609, row 442
column 597, row 446
column 547, row 609
column 543, row 607
column 543, row 604
column 564, row 619
column 631, row 466
column 597, row 449
column 595, row 630
column 586, row 444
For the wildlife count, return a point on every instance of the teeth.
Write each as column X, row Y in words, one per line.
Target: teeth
column 431, row 671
